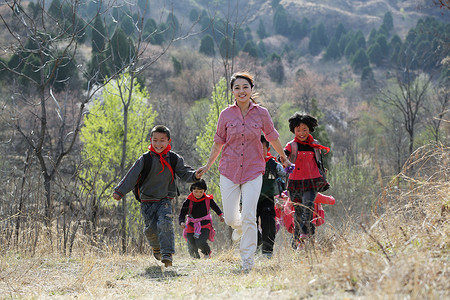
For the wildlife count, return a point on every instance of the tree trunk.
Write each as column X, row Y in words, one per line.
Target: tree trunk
column 48, row 201
column 122, row 172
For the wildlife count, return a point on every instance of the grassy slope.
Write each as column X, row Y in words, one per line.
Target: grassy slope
column 403, row 253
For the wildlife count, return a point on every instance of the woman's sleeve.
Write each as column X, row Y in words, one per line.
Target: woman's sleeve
column 269, row 130
column 221, row 134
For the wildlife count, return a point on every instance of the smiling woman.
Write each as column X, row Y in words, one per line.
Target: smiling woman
column 242, row 163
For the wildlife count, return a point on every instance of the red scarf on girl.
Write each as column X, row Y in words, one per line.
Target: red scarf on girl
column 192, row 197
column 309, row 141
column 161, row 159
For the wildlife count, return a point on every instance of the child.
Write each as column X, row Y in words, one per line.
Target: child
column 273, row 176
column 306, row 179
column 157, row 191
column 199, row 223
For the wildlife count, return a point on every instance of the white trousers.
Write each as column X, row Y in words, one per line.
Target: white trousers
column 245, row 219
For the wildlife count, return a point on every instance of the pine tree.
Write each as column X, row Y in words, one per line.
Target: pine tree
column 314, row 45
column 121, row 50
column 360, row 60
column 340, row 31
column 98, row 35
column 322, row 35
column 388, row 21
column 375, row 54
column 351, row 49
column 360, row 39
column 332, row 51
column 193, row 15
column 280, row 21
column 382, row 41
column 207, row 45
column 250, row 48
column 261, row 31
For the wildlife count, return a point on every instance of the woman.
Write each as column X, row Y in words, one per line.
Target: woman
column 242, row 163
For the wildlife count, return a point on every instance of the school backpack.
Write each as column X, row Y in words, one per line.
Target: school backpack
column 147, row 167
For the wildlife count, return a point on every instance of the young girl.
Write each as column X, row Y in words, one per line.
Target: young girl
column 199, row 223
column 306, row 179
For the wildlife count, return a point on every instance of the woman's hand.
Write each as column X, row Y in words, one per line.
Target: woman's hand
column 285, row 162
column 201, row 171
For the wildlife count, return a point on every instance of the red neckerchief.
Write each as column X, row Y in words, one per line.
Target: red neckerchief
column 269, row 155
column 192, row 197
column 161, row 159
column 309, row 141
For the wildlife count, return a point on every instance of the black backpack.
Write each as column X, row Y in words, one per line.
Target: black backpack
column 147, row 167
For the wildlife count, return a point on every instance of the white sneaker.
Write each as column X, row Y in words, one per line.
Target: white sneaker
column 237, row 234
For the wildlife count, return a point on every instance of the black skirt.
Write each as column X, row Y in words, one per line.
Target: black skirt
column 318, row 184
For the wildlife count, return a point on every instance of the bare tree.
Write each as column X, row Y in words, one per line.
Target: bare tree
column 42, row 69
column 408, row 95
column 48, row 105
column 438, row 110
column 140, row 60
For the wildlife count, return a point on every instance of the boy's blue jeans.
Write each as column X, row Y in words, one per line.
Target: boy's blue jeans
column 159, row 225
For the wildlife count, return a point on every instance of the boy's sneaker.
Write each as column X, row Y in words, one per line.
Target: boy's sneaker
column 267, row 255
column 207, row 256
column 156, row 253
column 237, row 234
column 167, row 260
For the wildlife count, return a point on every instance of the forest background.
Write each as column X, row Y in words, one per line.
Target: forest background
column 84, row 82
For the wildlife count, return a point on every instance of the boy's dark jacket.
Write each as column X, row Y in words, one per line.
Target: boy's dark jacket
column 274, row 172
column 158, row 185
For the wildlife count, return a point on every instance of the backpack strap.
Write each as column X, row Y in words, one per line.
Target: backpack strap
column 147, row 167
column 294, row 150
column 144, row 173
column 173, row 159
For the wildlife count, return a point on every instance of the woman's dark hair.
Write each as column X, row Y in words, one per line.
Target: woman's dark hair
column 306, row 119
column 160, row 129
column 247, row 76
column 201, row 185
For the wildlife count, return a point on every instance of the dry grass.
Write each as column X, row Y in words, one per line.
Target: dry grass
column 403, row 254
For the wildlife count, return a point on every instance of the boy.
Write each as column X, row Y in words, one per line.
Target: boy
column 157, row 191
column 198, row 226
column 273, row 176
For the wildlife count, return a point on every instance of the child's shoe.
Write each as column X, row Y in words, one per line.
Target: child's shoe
column 207, row 256
column 156, row 253
column 167, row 260
column 300, row 245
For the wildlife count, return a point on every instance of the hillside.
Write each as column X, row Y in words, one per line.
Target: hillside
column 354, row 14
